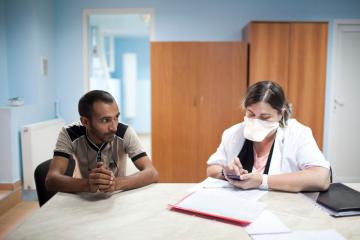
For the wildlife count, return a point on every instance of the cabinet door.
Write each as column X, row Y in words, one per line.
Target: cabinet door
column 294, row 55
column 269, row 52
column 307, row 74
column 196, row 94
column 222, row 87
column 174, row 112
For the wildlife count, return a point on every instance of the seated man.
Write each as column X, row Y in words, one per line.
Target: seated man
column 99, row 144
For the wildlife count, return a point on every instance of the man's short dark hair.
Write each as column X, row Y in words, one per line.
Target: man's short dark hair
column 87, row 101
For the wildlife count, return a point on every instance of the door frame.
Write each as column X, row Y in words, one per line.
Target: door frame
column 330, row 104
column 110, row 11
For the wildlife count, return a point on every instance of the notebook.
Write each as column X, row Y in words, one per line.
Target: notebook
column 340, row 198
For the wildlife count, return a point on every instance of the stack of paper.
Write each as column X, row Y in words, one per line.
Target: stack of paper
column 267, row 223
column 217, row 203
column 219, row 199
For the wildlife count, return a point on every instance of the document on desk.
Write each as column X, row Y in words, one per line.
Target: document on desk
column 266, row 223
column 211, row 183
column 222, row 204
column 225, row 186
column 329, row 234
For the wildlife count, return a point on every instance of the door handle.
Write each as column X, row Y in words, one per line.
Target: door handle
column 338, row 102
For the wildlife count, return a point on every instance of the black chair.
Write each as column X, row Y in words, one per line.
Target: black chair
column 331, row 176
column 40, row 175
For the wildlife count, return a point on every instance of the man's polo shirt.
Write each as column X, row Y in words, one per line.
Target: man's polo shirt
column 74, row 143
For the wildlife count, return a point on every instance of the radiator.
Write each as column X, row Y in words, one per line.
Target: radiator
column 37, row 144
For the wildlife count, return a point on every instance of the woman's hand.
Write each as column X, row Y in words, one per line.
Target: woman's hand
column 248, row 181
column 234, row 169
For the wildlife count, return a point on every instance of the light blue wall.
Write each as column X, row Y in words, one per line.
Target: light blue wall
column 141, row 47
column 28, row 36
column 3, row 56
column 30, row 29
column 183, row 20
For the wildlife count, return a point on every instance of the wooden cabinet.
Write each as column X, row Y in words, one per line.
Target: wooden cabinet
column 268, row 52
column 294, row 55
column 197, row 88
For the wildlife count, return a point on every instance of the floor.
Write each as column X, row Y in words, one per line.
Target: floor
column 2, row 193
column 16, row 215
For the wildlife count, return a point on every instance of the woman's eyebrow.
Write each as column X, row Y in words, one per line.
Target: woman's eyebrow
column 265, row 114
column 250, row 111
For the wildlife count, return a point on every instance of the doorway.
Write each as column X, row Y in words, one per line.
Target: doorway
column 117, row 59
column 343, row 150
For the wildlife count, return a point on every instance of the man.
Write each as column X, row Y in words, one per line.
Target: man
column 100, row 146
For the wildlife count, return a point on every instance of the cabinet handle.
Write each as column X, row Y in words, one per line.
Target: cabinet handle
column 194, row 101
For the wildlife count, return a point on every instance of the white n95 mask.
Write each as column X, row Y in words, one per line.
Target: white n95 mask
column 256, row 130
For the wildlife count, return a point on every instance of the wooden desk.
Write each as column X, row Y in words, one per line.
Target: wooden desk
column 143, row 214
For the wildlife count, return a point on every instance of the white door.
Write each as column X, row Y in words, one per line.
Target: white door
column 344, row 124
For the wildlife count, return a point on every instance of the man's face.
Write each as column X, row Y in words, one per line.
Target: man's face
column 103, row 123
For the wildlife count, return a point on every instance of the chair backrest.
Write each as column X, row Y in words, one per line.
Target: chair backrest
column 40, row 176
column 331, row 175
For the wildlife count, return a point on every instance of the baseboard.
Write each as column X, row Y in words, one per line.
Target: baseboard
column 10, row 186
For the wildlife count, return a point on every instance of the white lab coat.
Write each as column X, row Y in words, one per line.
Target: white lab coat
column 295, row 148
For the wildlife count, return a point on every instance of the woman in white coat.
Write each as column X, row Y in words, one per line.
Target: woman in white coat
column 268, row 150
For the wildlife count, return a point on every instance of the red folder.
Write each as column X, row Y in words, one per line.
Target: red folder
column 206, row 214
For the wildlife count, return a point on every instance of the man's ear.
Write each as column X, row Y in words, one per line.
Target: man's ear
column 85, row 121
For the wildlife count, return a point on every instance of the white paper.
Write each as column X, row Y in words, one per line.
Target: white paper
column 217, row 201
column 267, row 222
column 222, row 185
column 211, row 183
column 250, row 194
column 329, row 234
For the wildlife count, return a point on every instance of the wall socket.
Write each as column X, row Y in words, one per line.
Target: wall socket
column 44, row 66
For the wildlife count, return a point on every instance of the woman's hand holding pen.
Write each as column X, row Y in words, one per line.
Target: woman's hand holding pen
column 237, row 176
column 234, row 170
column 248, row 181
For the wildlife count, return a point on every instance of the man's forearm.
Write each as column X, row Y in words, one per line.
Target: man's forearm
column 61, row 183
column 137, row 180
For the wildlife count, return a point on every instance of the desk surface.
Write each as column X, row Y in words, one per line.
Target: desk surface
column 143, row 214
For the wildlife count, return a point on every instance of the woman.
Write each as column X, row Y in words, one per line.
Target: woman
column 268, row 150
